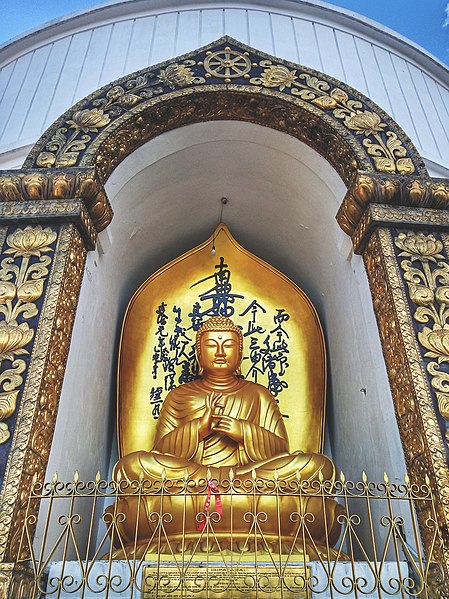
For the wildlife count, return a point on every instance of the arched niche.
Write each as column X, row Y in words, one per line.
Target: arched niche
column 285, row 161
column 283, row 197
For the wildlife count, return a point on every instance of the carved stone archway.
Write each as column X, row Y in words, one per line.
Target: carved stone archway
column 390, row 194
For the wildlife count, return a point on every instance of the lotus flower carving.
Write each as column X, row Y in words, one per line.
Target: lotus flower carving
column 278, row 76
column 13, row 339
column 176, row 75
column 435, row 340
column 31, row 241
column 366, row 123
column 419, row 246
column 89, row 120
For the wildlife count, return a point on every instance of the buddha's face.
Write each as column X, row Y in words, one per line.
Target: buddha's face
column 220, row 352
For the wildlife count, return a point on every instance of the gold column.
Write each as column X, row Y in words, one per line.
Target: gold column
column 48, row 222
column 405, row 249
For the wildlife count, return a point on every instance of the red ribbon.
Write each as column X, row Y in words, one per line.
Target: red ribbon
column 211, row 489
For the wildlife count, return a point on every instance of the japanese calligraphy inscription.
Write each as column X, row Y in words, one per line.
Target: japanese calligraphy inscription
column 283, row 341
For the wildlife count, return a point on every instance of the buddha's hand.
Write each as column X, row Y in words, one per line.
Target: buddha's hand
column 205, row 422
column 231, row 427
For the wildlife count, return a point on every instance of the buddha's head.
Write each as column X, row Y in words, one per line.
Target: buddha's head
column 219, row 347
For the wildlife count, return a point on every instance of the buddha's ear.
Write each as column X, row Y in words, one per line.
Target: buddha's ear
column 238, row 370
column 200, row 368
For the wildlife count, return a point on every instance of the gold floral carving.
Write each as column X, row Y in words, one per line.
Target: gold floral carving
column 179, row 75
column 69, row 141
column 388, row 152
column 82, row 135
column 33, row 433
column 41, row 185
column 426, row 272
column 21, row 285
column 420, row 434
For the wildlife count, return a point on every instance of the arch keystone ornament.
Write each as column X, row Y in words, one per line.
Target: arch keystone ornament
column 393, row 211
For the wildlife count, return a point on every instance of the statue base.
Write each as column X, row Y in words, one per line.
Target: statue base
column 218, row 545
column 199, row 580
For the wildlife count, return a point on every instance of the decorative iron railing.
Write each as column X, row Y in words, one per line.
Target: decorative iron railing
column 215, row 539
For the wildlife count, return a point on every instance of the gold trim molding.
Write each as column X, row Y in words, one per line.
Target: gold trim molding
column 43, row 185
column 378, row 215
column 51, row 211
column 394, row 190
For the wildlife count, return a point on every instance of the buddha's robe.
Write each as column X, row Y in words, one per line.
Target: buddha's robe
column 179, row 450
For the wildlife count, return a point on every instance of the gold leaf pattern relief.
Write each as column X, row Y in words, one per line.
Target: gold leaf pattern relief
column 36, row 411
column 382, row 145
column 89, row 120
column 13, row 338
column 176, row 75
column 419, row 246
column 364, row 123
column 4, row 433
column 31, row 241
column 21, row 285
column 8, row 404
column 278, row 76
column 428, row 287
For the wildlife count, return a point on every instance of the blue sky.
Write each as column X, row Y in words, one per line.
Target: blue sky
column 420, row 20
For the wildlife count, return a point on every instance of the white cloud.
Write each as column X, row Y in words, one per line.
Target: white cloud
column 446, row 22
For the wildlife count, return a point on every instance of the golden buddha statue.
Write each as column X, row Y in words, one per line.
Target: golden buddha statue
column 214, row 424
